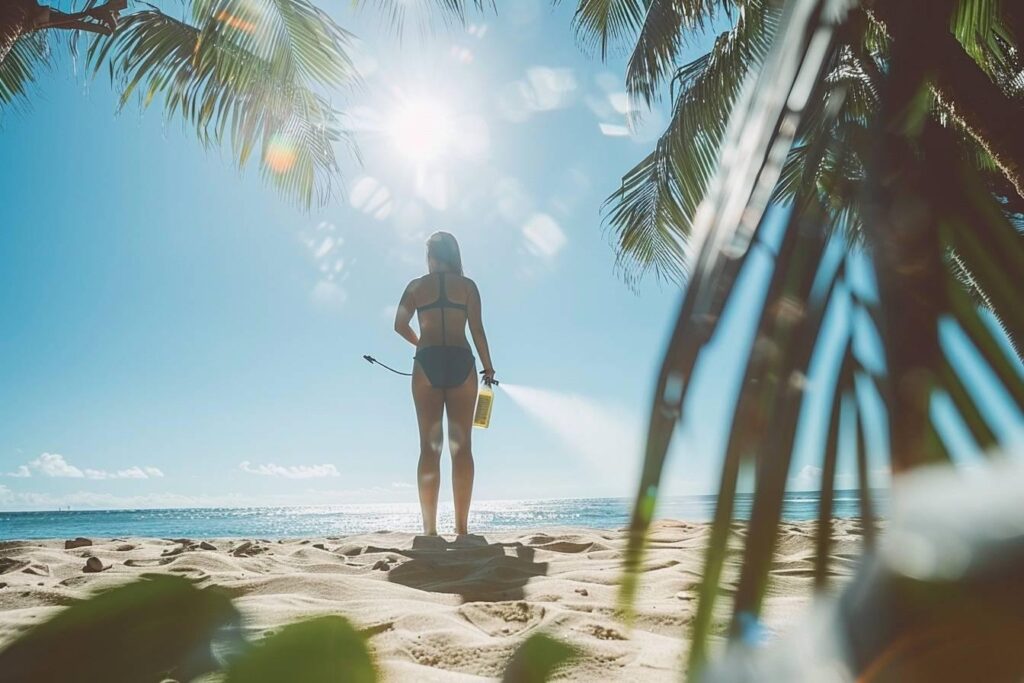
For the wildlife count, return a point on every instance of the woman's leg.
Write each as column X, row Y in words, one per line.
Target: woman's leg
column 460, row 403
column 429, row 410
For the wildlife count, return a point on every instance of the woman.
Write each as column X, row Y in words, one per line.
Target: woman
column 444, row 373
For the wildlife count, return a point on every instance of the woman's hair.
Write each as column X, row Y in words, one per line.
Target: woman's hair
column 444, row 249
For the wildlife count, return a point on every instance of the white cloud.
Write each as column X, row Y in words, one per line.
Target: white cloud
column 290, row 472
column 620, row 102
column 513, row 202
column 543, row 89
column 613, row 130
column 329, row 295
column 130, row 473
column 55, row 465
column 809, row 477
column 401, row 485
column 544, row 236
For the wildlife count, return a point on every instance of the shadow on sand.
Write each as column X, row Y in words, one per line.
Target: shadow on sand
column 469, row 566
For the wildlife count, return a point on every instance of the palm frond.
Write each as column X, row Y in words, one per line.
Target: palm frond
column 651, row 213
column 423, row 15
column 256, row 90
column 295, row 37
column 603, row 25
column 648, row 206
column 665, row 30
column 902, row 166
column 18, row 69
column 725, row 228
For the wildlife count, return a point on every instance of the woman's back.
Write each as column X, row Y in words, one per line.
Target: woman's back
column 442, row 301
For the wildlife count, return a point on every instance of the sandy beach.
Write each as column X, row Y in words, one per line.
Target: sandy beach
column 438, row 610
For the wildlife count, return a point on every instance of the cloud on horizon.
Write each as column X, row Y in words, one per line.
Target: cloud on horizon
column 291, row 471
column 55, row 465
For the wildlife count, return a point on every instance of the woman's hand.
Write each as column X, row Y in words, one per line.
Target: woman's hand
column 488, row 374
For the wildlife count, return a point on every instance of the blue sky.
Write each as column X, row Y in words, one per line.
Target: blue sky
column 176, row 334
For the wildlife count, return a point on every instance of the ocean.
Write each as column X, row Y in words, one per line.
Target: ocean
column 343, row 520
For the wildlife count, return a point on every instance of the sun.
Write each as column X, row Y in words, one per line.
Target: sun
column 421, row 130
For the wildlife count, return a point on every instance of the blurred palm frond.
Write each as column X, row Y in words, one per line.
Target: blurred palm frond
column 926, row 223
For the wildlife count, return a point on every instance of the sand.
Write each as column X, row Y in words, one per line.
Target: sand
column 440, row 610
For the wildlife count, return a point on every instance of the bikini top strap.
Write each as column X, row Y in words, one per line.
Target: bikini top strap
column 442, row 297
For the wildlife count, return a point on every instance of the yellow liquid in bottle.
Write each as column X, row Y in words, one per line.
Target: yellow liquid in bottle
column 484, row 403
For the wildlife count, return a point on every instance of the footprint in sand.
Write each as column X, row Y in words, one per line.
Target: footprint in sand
column 500, row 619
column 8, row 564
column 601, row 632
column 150, row 562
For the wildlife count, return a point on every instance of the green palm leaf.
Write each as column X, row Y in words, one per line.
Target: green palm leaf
column 18, row 69
column 666, row 27
column 248, row 78
column 906, row 162
column 652, row 212
column 606, row 24
column 424, row 14
column 295, row 37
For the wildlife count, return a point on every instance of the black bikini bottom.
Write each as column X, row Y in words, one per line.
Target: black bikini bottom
column 446, row 366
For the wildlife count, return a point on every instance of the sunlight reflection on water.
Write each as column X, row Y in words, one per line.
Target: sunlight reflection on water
column 342, row 520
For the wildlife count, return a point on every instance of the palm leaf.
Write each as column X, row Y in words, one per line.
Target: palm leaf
column 18, row 69
column 607, row 24
column 424, row 14
column 661, row 38
column 723, row 232
column 256, row 92
column 297, row 39
column 652, row 212
column 904, row 165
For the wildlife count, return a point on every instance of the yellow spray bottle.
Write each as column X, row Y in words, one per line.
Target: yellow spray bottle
column 484, row 403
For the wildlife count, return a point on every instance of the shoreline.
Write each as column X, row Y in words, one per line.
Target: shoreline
column 438, row 609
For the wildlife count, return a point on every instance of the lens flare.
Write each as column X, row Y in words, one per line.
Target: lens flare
column 280, row 155
column 236, row 22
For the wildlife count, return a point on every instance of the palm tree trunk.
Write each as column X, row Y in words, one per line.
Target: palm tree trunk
column 905, row 241
column 18, row 17
column 985, row 112
column 969, row 95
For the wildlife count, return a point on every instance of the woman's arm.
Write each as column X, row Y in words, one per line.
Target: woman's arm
column 403, row 316
column 476, row 328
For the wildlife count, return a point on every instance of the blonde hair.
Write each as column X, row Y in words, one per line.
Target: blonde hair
column 444, row 249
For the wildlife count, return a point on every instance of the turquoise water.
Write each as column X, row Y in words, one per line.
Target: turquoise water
column 282, row 522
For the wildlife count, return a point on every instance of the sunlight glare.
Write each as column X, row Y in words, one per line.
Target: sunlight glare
column 421, row 130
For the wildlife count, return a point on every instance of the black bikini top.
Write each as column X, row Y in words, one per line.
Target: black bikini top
column 442, row 300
